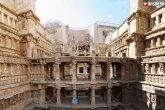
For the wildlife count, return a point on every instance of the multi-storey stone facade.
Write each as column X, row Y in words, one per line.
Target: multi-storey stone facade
column 119, row 69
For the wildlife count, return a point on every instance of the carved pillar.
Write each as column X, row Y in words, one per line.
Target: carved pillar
column 73, row 70
column 74, row 96
column 93, row 96
column 4, row 68
column 93, row 70
column 158, row 42
column 148, row 99
column 2, row 17
column 8, row 20
column 29, row 46
column 123, row 69
column 109, row 98
column 152, row 43
column 111, row 71
column 13, row 23
column 57, row 67
column 58, row 96
column 42, row 72
column 153, row 101
column 108, row 65
column 147, row 68
column 142, row 69
column 114, row 70
column 54, row 71
column 41, row 94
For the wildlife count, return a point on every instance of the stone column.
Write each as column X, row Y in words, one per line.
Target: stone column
column 93, row 97
column 42, row 72
column 58, row 96
column 123, row 70
column 93, row 78
column 2, row 17
column 142, row 69
column 13, row 23
column 4, row 68
column 109, row 98
column 158, row 42
column 41, row 94
column 8, row 20
column 57, row 71
column 93, row 63
column 54, row 71
column 73, row 70
column 28, row 72
column 74, row 96
column 108, row 71
column 153, row 101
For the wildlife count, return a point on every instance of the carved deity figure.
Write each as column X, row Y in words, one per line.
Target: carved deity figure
column 161, row 67
column 146, row 68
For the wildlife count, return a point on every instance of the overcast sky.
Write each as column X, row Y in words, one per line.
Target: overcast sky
column 83, row 13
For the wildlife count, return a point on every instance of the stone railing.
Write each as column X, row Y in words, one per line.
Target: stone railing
column 35, row 77
column 155, row 51
column 154, row 78
column 12, row 79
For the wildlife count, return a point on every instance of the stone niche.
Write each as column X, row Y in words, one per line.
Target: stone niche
column 82, row 70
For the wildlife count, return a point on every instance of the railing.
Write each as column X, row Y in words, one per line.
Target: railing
column 35, row 77
column 154, row 78
column 12, row 79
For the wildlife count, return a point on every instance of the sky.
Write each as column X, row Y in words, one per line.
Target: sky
column 83, row 13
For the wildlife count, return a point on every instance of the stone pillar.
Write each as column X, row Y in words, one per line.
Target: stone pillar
column 111, row 71
column 57, row 71
column 73, row 70
column 108, row 71
column 142, row 69
column 74, row 96
column 93, row 78
column 8, row 20
column 41, row 94
column 152, row 45
column 29, row 46
column 109, row 98
column 93, row 97
column 58, row 96
column 158, row 42
column 54, row 71
column 13, row 23
column 4, row 68
column 153, row 101
column 42, row 72
column 123, row 70
column 28, row 72
column 2, row 17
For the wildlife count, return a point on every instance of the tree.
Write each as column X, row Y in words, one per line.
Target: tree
column 52, row 25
